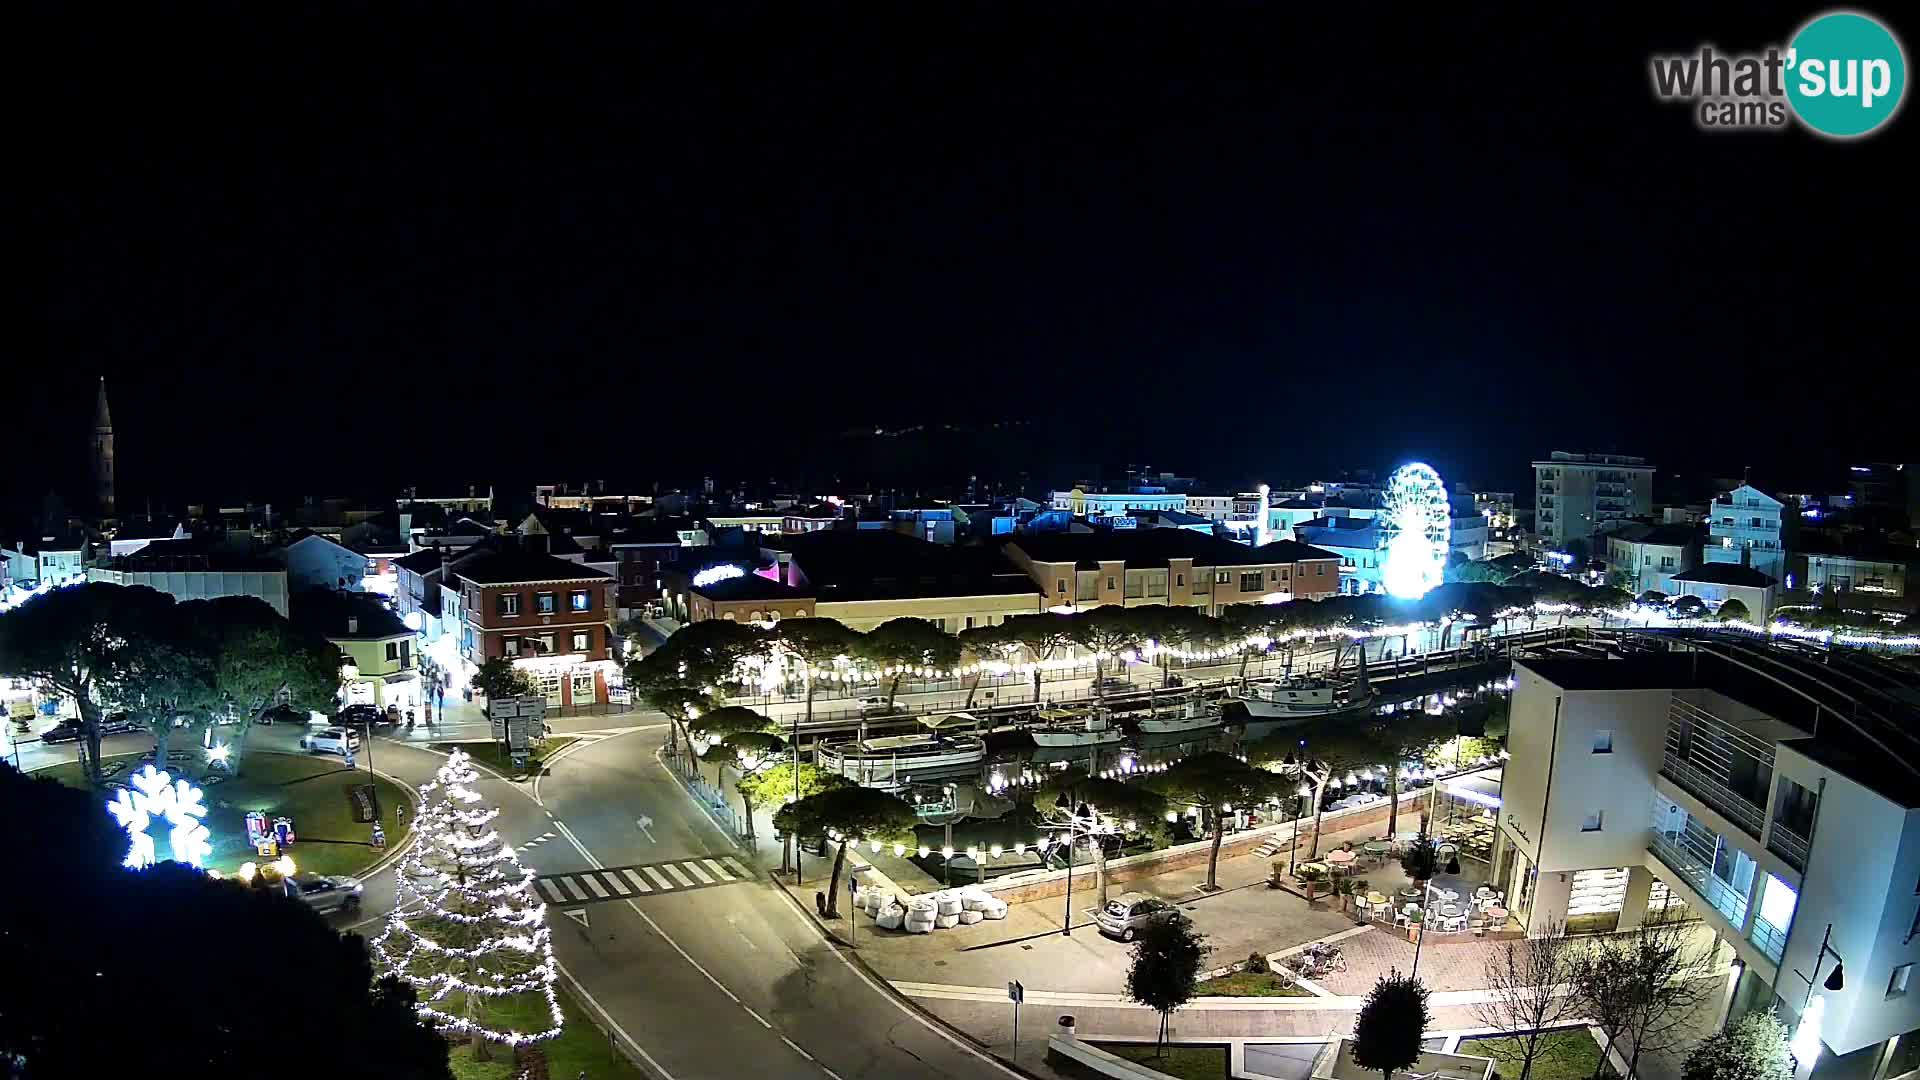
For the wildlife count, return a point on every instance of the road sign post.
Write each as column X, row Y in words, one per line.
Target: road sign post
column 853, row 890
column 1016, row 993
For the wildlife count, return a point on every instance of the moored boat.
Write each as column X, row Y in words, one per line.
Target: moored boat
column 1067, row 727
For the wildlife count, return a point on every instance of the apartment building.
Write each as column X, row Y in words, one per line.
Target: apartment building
column 865, row 577
column 550, row 616
column 1744, row 528
column 378, row 650
column 1645, row 558
column 1745, row 787
column 1576, row 495
column 1170, row 566
column 190, row 570
column 1083, row 503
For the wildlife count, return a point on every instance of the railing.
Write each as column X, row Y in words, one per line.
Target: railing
column 1769, row 939
column 1723, row 897
column 1790, row 846
column 1702, row 786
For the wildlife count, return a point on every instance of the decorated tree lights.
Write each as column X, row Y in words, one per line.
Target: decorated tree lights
column 156, row 795
column 467, row 930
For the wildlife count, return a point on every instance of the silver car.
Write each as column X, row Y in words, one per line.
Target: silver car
column 1127, row 914
column 326, row 893
column 331, row 740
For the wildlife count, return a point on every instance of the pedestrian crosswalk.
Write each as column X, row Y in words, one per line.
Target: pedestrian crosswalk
column 629, row 882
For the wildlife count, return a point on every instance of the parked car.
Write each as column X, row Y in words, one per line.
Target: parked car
column 1129, row 913
column 71, row 730
column 283, row 714
column 327, row 893
column 1112, row 684
column 331, row 740
column 874, row 706
column 358, row 716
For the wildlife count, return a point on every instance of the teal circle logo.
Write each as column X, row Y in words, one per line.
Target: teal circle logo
column 1845, row 74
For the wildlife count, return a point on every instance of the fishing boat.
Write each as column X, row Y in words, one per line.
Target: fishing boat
column 1302, row 698
column 892, row 761
column 1070, row 728
column 889, row 761
column 1193, row 715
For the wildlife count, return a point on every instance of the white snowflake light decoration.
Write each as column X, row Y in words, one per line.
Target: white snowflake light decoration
column 156, row 794
column 467, row 926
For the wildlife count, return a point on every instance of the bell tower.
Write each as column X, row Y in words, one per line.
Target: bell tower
column 103, row 454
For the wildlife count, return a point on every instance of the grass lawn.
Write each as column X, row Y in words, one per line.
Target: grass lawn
column 495, row 757
column 1569, row 1054
column 310, row 789
column 1247, row 984
column 581, row 1047
column 1186, row 1062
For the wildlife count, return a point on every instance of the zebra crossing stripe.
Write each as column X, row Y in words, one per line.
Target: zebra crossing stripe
column 637, row 883
column 658, row 878
column 716, row 868
column 613, row 879
column 573, row 887
column 694, row 869
column 593, row 883
column 678, row 876
column 551, row 891
column 736, row 868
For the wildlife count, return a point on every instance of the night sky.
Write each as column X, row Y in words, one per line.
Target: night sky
column 349, row 250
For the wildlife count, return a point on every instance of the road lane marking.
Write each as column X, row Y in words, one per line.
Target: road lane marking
column 551, row 891
column 615, row 1024
column 678, row 876
column 736, row 867
column 593, row 883
column 659, row 878
column 619, row 886
column 573, row 887
column 637, row 883
column 796, row 1048
column 694, row 869
column 756, row 1016
column 717, row 869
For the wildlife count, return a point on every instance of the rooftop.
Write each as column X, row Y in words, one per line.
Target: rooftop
column 1138, row 549
column 1726, row 574
column 748, row 586
column 193, row 556
column 326, row 612
column 881, row 564
column 1678, row 535
column 515, row 566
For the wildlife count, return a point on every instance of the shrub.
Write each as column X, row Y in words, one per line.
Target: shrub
column 1257, row 963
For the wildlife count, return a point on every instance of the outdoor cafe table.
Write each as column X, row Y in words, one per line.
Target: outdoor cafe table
column 1340, row 860
column 1313, row 868
column 1377, row 847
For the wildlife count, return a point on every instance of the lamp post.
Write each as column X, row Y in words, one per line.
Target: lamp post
column 1805, row 1043
column 1305, row 769
column 1079, row 821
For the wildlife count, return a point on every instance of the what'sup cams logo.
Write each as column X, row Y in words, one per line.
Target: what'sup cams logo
column 1843, row 76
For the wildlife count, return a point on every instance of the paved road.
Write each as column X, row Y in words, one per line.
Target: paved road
column 720, row 979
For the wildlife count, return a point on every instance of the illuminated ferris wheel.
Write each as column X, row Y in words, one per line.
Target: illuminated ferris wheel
column 1417, row 524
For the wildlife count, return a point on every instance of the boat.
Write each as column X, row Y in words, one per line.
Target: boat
column 1190, row 716
column 1302, row 698
column 1070, row 728
column 891, row 761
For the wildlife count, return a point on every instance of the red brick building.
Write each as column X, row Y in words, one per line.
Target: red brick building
column 551, row 617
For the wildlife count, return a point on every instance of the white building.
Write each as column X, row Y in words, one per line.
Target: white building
column 167, row 567
column 1671, row 780
column 1578, row 495
column 1083, row 503
column 1744, row 528
column 48, row 560
column 1643, row 558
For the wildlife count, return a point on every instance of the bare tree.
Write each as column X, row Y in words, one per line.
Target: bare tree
column 1643, row 987
column 1531, row 988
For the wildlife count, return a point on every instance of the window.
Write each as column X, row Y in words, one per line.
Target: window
column 1603, row 742
column 584, row 690
column 1666, row 562
column 582, row 640
column 406, row 654
column 543, row 603
column 393, row 650
column 1060, row 585
column 512, row 646
column 1220, row 577
column 1320, row 570
column 1179, row 579
column 1593, row 821
column 509, row 604
column 546, row 644
column 1897, row 986
column 581, row 599
column 970, row 622
column 1250, row 581
column 1111, row 583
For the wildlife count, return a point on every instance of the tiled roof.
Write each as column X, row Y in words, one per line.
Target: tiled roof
column 326, row 612
column 1137, row 548
column 1725, row 573
column 513, row 567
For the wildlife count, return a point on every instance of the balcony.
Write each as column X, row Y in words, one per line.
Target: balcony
column 1789, row 845
column 1769, row 939
column 1681, row 852
column 1716, row 762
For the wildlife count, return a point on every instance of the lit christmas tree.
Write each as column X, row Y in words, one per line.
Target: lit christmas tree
column 467, row 929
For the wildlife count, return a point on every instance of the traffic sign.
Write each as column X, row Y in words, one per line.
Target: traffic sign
column 1016, row 993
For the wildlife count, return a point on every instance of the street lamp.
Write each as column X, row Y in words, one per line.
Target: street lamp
column 1079, row 821
column 1805, row 1044
column 1305, row 769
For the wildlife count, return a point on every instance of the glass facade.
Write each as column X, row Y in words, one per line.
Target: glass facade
column 1775, row 918
column 1716, row 870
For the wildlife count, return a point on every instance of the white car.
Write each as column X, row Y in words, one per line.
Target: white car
column 331, row 740
column 874, row 706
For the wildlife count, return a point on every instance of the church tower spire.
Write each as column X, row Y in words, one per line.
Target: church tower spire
column 103, row 454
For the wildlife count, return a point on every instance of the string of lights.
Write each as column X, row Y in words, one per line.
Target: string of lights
column 466, row 921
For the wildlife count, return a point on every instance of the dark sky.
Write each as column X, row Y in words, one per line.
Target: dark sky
column 356, row 248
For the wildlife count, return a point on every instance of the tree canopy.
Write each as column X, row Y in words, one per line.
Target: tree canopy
column 1387, row 1033
column 497, row 677
column 1165, row 971
column 853, row 813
